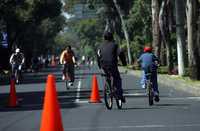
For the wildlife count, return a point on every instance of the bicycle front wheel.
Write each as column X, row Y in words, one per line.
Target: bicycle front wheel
column 108, row 97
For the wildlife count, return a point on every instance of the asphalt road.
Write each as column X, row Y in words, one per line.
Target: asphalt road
column 176, row 111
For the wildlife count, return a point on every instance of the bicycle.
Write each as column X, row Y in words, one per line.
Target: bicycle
column 110, row 92
column 149, row 88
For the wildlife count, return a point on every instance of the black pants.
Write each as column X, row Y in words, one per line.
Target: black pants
column 117, row 81
column 69, row 70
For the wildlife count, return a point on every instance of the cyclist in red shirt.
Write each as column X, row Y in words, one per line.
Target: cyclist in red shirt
column 68, row 59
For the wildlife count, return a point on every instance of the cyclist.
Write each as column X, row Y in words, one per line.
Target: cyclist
column 149, row 63
column 68, row 59
column 83, row 60
column 107, row 58
column 17, row 60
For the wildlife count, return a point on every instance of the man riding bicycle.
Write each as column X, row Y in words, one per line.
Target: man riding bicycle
column 107, row 58
column 17, row 60
column 68, row 59
column 149, row 64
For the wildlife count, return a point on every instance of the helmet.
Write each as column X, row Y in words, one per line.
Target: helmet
column 147, row 49
column 17, row 50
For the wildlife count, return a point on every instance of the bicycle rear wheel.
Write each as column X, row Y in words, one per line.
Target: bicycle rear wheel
column 108, row 97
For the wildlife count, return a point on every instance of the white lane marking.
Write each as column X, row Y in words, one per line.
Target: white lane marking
column 136, row 126
column 135, row 94
column 80, row 102
column 78, row 92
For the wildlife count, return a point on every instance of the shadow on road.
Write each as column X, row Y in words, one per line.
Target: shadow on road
column 156, row 106
column 172, row 105
column 34, row 101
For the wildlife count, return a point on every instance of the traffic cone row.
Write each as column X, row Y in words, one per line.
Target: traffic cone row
column 51, row 116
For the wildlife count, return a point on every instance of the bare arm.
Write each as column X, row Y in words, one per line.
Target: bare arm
column 62, row 57
column 23, row 59
column 11, row 58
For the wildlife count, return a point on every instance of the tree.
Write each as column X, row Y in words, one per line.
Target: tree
column 32, row 23
column 124, row 28
column 180, row 22
column 164, row 22
column 155, row 27
column 116, row 10
column 193, row 25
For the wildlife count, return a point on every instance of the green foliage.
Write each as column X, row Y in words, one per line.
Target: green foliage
column 139, row 26
column 32, row 23
column 89, row 32
column 139, row 21
column 66, row 38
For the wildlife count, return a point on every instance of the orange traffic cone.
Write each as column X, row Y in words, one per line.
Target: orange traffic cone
column 51, row 116
column 12, row 96
column 95, row 97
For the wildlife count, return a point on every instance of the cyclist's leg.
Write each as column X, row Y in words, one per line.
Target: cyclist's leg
column 117, row 81
column 64, row 71
column 13, row 70
column 143, row 79
column 106, row 71
column 154, row 81
column 71, row 72
column 155, row 85
column 17, row 73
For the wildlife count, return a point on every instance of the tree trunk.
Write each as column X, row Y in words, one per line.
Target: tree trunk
column 193, row 43
column 163, row 57
column 180, row 31
column 155, row 27
column 164, row 28
column 124, row 30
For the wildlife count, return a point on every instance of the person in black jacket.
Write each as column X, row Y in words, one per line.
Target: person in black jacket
column 107, row 55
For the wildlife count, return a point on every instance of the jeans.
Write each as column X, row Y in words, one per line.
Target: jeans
column 153, row 78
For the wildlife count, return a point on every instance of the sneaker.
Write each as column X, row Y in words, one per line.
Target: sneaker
column 143, row 86
column 157, row 99
column 70, row 84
